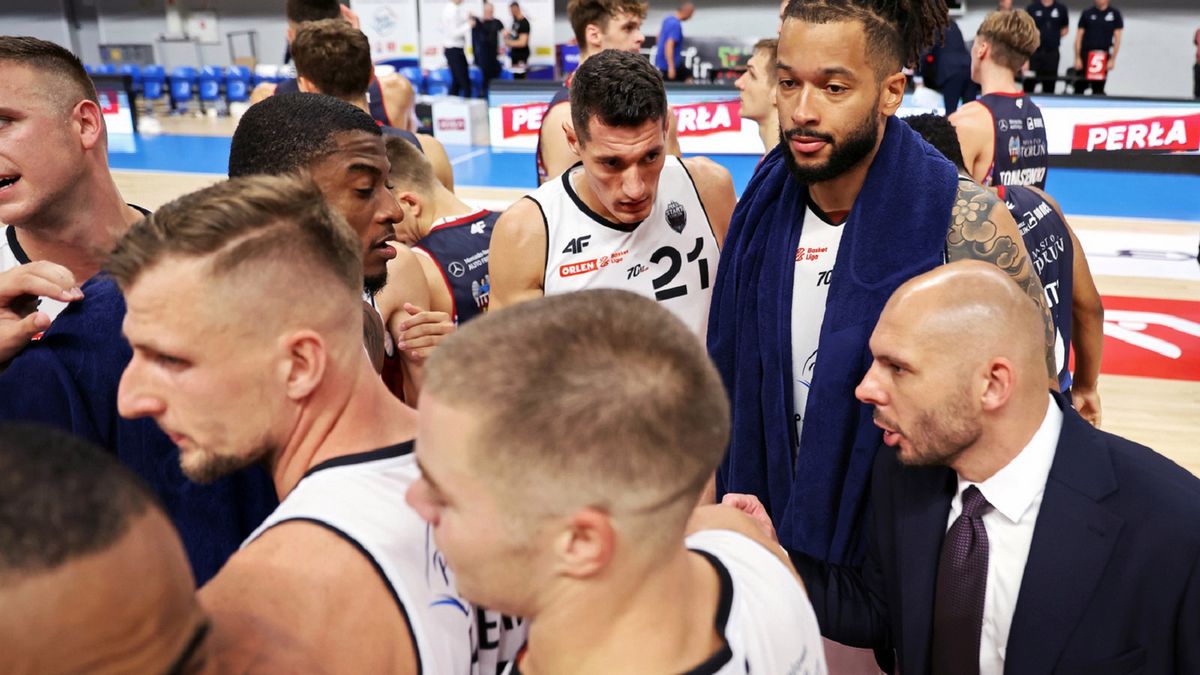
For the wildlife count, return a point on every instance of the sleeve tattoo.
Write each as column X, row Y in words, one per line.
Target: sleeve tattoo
column 974, row 235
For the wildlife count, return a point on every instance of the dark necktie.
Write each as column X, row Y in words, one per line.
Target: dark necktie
column 961, row 586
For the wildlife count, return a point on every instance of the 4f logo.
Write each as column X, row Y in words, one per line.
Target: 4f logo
column 478, row 228
column 576, row 245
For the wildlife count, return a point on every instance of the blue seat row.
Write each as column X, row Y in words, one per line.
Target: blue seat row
column 152, row 81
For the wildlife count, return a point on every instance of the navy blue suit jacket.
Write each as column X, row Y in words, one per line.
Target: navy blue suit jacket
column 1112, row 583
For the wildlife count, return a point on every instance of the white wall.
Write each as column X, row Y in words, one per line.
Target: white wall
column 1155, row 60
column 44, row 19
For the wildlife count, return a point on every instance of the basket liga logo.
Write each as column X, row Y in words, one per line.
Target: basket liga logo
column 676, row 216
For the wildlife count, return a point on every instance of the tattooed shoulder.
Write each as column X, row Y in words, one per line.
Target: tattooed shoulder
column 974, row 233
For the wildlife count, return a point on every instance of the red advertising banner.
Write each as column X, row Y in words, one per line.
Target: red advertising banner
column 1149, row 337
column 522, row 120
column 702, row 119
column 1161, row 134
column 1097, row 66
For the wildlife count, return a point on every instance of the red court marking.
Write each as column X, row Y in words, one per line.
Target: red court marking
column 1148, row 337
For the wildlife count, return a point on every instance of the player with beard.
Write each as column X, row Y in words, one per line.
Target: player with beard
column 598, row 25
column 628, row 215
column 849, row 205
column 268, row 276
column 343, row 150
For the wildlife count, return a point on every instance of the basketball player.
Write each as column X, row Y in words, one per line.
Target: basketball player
column 334, row 58
column 92, row 575
column 756, row 87
column 268, row 273
column 1003, row 135
column 342, row 148
column 563, row 446
column 850, row 205
column 392, row 99
column 628, row 215
column 1061, row 266
column 598, row 25
column 62, row 209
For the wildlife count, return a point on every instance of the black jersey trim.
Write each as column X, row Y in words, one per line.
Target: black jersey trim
column 724, row 655
column 587, row 210
column 19, row 253
column 390, row 452
column 824, row 217
column 412, row 636
column 700, row 198
column 546, row 252
column 139, row 209
column 458, row 221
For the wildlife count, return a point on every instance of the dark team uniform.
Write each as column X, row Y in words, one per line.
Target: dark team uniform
column 1019, row 155
column 1053, row 255
column 459, row 247
column 374, row 98
column 563, row 95
column 1050, row 22
column 1098, row 29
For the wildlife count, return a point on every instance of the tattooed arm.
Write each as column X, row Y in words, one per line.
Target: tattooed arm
column 981, row 228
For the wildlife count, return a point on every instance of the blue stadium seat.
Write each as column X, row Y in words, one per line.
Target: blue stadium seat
column 237, row 84
column 211, row 79
column 154, row 80
column 183, row 82
column 414, row 75
column 506, row 74
column 438, row 82
column 476, row 81
column 105, row 69
column 89, row 68
column 134, row 73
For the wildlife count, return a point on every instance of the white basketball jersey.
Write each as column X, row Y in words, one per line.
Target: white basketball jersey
column 671, row 256
column 763, row 613
column 361, row 499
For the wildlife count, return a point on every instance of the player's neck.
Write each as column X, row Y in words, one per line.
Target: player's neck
column 364, row 417
column 445, row 205
column 1003, row 437
column 768, row 130
column 838, row 194
column 662, row 622
column 360, row 103
column 996, row 79
column 79, row 231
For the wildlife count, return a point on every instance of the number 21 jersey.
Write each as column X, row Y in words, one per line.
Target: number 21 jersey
column 671, row 256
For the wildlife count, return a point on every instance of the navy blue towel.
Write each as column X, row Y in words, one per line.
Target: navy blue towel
column 818, row 506
column 69, row 379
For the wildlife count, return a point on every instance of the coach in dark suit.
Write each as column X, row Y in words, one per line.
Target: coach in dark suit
column 1008, row 535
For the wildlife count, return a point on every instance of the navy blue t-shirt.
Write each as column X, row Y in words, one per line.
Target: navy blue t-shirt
column 1050, row 22
column 1020, row 154
column 1098, row 28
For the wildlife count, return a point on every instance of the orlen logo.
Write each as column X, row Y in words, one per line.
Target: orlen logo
column 522, row 120
column 1155, row 133
column 575, row 269
column 702, row 119
column 452, row 124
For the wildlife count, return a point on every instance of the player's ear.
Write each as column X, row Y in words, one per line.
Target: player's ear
column 892, row 95
column 410, row 202
column 303, row 364
column 592, row 33
column 585, row 546
column 572, row 138
column 997, row 384
column 89, row 121
column 306, row 86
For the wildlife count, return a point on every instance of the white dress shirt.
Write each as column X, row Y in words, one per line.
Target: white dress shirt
column 456, row 25
column 1015, row 493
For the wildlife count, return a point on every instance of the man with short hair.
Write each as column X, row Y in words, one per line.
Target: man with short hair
column 457, row 23
column 485, row 40
column 1061, row 266
column 668, row 54
column 628, row 215
column 598, row 25
column 391, row 98
column 1053, row 21
column 61, row 208
column 92, row 575
column 271, row 276
column 1003, row 134
column 849, row 205
column 604, row 406
column 1097, row 41
column 756, row 88
column 334, row 58
column 1008, row 535
column 517, row 41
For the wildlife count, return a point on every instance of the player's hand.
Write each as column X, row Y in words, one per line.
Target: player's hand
column 423, row 331
column 749, row 505
column 1078, row 65
column 671, row 73
column 351, row 17
column 1112, row 63
column 20, row 288
column 1087, row 403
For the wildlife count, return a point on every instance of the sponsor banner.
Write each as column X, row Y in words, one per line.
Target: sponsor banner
column 1178, row 133
column 539, row 13
column 704, row 119
column 1148, row 337
column 391, row 27
column 1097, row 66
column 711, row 58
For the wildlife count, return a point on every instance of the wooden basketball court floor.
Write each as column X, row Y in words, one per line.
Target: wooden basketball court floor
column 1150, row 382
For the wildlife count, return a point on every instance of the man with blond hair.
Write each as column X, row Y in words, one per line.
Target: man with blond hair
column 756, row 88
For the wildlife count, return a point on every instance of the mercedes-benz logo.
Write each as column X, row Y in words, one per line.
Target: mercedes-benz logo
column 456, row 269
